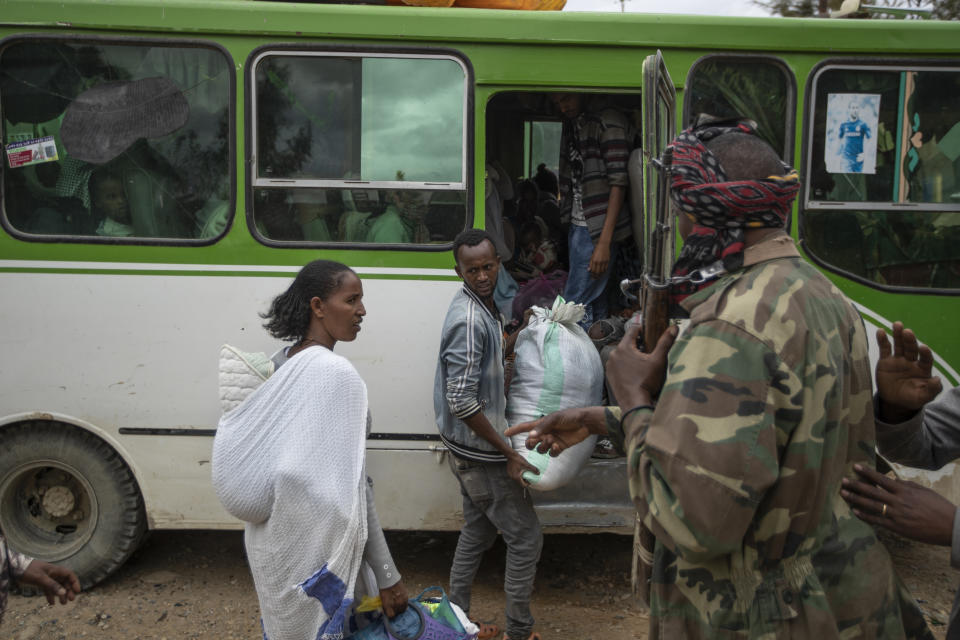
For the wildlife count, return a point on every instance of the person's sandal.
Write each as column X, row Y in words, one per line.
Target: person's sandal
column 487, row 631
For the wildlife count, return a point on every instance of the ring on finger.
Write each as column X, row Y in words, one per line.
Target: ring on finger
column 883, row 512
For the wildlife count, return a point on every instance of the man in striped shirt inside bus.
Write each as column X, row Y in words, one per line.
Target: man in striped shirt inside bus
column 594, row 153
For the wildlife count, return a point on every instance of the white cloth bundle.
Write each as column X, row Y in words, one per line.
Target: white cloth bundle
column 290, row 462
column 240, row 373
column 557, row 367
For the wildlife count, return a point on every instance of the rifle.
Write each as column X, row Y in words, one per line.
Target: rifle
column 654, row 310
column 655, row 285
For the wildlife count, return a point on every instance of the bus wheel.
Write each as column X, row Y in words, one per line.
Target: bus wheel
column 67, row 497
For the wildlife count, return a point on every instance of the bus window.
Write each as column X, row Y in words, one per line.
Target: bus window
column 882, row 200
column 754, row 87
column 542, row 145
column 116, row 142
column 359, row 148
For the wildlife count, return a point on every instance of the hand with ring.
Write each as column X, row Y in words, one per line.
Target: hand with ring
column 903, row 507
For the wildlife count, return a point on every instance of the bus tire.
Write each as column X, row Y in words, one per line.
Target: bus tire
column 67, row 497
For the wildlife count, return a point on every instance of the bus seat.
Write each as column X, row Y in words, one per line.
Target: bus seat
column 635, row 173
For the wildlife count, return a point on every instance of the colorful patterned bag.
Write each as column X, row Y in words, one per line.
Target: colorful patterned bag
column 425, row 619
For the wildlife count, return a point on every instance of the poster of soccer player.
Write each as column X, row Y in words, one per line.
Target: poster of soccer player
column 852, row 120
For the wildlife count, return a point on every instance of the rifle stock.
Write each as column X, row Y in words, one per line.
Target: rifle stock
column 656, row 303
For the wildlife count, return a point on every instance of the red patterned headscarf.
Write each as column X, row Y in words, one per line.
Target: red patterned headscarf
column 720, row 209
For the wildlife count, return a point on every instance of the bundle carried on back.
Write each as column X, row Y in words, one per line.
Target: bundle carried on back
column 240, row 374
column 557, row 367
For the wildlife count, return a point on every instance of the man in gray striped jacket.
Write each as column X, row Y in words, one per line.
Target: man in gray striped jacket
column 470, row 406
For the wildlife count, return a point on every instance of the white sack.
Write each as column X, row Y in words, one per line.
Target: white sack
column 557, row 367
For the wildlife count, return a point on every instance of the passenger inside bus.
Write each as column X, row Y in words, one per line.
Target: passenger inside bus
column 538, row 253
column 109, row 204
column 358, row 216
column 359, row 205
column 402, row 221
column 316, row 212
column 549, row 207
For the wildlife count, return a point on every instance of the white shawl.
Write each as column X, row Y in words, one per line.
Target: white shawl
column 289, row 461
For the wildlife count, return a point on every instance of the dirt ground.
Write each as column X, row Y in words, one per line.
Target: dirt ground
column 196, row 585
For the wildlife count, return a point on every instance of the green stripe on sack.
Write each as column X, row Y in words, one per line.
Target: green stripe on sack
column 552, row 371
column 550, row 392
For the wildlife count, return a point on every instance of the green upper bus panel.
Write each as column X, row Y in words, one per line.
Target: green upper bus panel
column 415, row 24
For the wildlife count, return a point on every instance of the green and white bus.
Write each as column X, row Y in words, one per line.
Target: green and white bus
column 239, row 140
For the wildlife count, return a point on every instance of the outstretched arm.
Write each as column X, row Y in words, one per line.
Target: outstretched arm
column 913, row 428
column 904, row 380
column 562, row 429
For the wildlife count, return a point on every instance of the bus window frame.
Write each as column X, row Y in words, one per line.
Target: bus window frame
column 529, row 167
column 790, row 130
column 862, row 64
column 231, row 101
column 326, row 50
column 805, row 159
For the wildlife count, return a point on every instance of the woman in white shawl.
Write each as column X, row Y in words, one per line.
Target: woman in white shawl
column 289, row 461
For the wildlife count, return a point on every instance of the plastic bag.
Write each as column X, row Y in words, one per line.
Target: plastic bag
column 434, row 618
column 557, row 367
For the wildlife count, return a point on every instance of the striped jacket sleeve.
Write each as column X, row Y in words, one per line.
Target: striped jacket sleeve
column 462, row 352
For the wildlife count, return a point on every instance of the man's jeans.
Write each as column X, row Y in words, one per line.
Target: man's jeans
column 581, row 286
column 492, row 502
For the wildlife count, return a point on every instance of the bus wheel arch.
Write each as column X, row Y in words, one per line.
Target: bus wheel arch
column 67, row 496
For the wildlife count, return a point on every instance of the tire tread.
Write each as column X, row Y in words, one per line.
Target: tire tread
column 133, row 517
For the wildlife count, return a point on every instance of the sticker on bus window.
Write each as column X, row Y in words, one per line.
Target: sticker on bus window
column 852, row 125
column 27, row 152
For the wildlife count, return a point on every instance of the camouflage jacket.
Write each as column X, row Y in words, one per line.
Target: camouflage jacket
column 767, row 404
